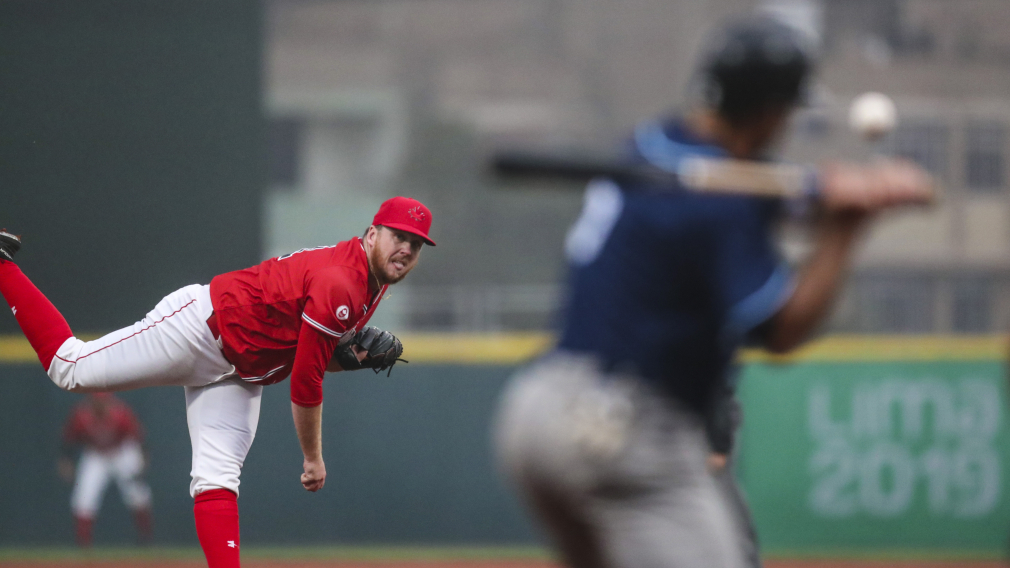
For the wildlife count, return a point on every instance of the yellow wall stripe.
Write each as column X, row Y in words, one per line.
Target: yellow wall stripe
column 515, row 348
column 873, row 348
column 15, row 349
column 475, row 348
column 518, row 347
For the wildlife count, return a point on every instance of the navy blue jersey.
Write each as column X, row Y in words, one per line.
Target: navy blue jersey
column 666, row 283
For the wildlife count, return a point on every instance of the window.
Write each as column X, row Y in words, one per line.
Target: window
column 924, row 143
column 849, row 19
column 901, row 304
column 972, row 305
column 984, row 156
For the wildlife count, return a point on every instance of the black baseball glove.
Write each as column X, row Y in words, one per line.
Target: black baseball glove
column 383, row 348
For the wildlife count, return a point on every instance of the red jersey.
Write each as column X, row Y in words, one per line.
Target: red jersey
column 285, row 315
column 105, row 432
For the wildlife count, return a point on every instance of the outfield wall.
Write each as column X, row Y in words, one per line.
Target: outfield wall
column 408, row 461
column 856, row 443
column 877, row 442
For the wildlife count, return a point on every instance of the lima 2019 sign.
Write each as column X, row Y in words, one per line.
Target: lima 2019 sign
column 896, row 437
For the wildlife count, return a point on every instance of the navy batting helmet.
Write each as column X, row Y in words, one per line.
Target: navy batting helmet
column 752, row 65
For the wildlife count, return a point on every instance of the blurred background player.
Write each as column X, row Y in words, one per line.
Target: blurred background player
column 111, row 440
column 605, row 436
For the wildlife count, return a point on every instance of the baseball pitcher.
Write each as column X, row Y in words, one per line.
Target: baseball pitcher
column 300, row 315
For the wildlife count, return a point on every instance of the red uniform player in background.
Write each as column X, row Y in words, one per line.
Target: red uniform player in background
column 112, row 438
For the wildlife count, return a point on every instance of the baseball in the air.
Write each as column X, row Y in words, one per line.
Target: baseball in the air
column 872, row 115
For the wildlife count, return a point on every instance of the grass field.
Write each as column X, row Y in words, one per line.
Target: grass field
column 413, row 557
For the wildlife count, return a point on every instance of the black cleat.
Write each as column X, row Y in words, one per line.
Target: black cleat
column 9, row 245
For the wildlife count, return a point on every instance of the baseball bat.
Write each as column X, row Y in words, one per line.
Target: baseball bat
column 696, row 173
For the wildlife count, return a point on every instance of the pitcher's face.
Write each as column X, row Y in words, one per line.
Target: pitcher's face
column 393, row 254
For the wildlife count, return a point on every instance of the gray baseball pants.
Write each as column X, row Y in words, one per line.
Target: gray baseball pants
column 615, row 471
column 733, row 494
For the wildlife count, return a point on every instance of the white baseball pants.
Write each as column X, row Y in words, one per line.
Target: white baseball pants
column 94, row 471
column 174, row 346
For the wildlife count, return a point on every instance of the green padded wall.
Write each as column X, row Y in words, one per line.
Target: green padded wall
column 408, row 461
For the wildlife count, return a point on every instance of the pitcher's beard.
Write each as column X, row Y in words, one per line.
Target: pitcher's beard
column 378, row 268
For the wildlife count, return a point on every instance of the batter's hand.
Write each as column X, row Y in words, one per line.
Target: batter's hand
column 716, row 462
column 315, row 475
column 866, row 189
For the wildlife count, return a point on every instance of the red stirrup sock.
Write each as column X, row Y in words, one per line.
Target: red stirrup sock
column 142, row 518
column 216, row 513
column 83, row 532
column 39, row 319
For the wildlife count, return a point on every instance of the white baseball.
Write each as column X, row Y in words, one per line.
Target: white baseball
column 872, row 115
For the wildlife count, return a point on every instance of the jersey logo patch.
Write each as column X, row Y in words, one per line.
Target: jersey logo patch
column 416, row 214
column 343, row 313
column 231, row 544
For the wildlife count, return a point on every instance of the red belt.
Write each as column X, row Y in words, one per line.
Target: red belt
column 212, row 324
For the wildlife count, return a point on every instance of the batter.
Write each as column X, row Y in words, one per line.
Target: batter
column 604, row 437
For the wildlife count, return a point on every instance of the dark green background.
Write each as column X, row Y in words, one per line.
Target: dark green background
column 131, row 148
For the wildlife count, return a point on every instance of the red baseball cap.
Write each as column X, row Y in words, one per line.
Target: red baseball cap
column 405, row 214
